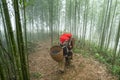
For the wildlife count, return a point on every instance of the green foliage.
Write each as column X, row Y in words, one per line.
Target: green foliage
column 76, row 50
column 100, row 58
column 104, row 56
column 97, row 55
column 31, row 46
column 115, row 69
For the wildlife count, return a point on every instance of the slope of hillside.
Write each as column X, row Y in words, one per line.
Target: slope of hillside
column 43, row 67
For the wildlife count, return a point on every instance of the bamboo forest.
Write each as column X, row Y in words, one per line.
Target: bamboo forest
column 30, row 33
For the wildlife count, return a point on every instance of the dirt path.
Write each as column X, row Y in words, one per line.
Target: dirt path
column 43, row 67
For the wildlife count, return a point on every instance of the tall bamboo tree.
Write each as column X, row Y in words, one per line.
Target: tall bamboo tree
column 51, row 3
column 12, row 43
column 104, row 26
column 111, row 25
column 116, row 43
column 20, row 41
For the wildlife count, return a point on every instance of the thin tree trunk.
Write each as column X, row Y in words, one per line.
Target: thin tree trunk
column 20, row 42
column 12, row 40
column 25, row 29
column 116, row 43
column 109, row 36
column 104, row 28
column 51, row 19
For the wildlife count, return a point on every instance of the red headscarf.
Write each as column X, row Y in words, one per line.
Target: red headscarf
column 65, row 37
column 69, row 35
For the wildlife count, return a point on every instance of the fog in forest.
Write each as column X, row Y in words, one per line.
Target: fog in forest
column 87, row 17
column 95, row 22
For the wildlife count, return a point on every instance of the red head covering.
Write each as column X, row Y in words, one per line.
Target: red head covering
column 69, row 35
column 63, row 38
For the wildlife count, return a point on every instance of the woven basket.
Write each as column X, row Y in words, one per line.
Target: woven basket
column 56, row 53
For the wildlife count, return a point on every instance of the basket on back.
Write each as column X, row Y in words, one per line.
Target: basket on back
column 56, row 53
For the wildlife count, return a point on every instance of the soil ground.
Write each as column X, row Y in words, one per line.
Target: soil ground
column 43, row 67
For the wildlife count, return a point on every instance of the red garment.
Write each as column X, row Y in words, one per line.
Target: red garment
column 65, row 37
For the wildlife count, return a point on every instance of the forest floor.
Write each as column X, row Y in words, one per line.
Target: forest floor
column 43, row 67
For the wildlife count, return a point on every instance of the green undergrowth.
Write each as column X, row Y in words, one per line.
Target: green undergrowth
column 104, row 56
column 31, row 46
column 36, row 75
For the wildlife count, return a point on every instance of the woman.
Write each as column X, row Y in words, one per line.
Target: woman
column 66, row 42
